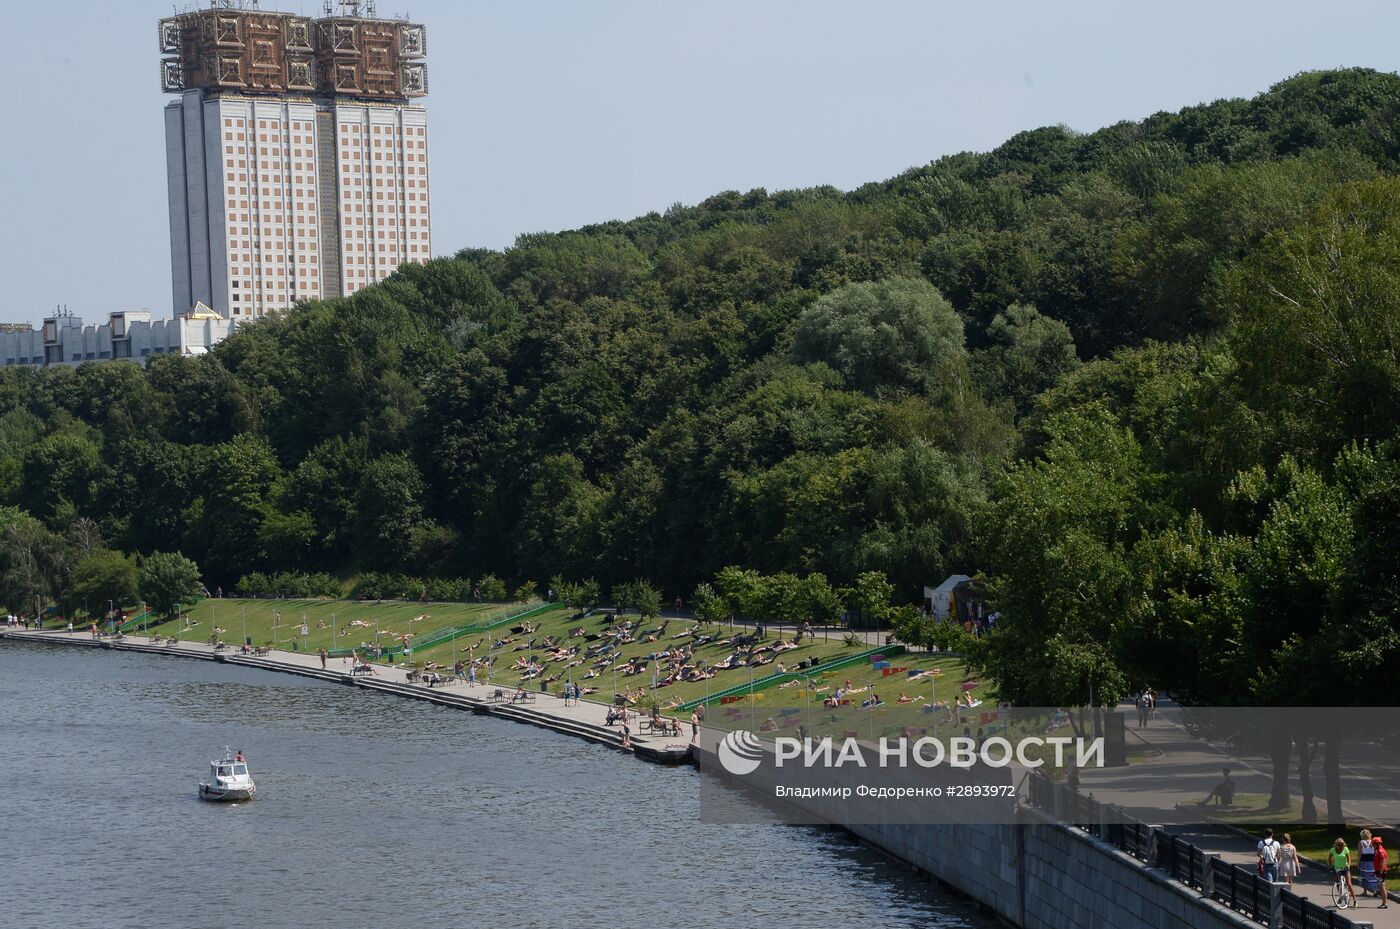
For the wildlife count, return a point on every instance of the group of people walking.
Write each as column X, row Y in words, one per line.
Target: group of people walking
column 1280, row 861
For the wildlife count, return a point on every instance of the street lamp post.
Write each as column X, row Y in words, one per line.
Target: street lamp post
column 753, row 726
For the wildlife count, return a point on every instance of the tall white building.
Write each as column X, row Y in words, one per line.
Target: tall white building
column 297, row 166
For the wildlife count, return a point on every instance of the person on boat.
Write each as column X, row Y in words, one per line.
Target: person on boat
column 239, row 756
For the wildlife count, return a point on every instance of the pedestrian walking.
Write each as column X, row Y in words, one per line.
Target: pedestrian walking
column 1268, row 850
column 1144, row 707
column 1381, row 863
column 694, row 727
column 324, row 655
column 1288, row 864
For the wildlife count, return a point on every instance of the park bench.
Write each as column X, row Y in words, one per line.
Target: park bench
column 662, row 726
column 262, row 650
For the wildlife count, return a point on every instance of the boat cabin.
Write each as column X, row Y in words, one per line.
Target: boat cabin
column 228, row 769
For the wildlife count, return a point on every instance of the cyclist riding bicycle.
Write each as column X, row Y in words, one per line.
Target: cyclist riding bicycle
column 1339, row 857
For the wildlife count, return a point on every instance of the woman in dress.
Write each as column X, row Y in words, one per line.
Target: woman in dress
column 1288, row 860
column 1367, row 864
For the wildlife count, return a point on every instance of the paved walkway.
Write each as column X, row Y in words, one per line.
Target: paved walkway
column 1186, row 770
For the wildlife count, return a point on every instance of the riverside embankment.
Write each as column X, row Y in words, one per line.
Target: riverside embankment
column 582, row 719
column 378, row 811
column 1033, row 873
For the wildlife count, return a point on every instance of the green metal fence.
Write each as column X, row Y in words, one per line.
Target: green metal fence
column 773, row 680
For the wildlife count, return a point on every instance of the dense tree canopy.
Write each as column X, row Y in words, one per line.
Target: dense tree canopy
column 1145, row 378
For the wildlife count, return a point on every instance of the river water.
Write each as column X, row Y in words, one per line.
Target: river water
column 374, row 810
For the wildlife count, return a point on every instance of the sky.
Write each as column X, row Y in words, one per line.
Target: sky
column 548, row 115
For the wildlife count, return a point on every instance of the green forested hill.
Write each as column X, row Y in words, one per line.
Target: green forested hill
column 1114, row 370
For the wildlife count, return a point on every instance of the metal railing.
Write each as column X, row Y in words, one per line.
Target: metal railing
column 1238, row 888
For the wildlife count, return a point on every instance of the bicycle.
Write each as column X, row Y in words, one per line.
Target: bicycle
column 1342, row 895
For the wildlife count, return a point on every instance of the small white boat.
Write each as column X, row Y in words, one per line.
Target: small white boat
column 229, row 780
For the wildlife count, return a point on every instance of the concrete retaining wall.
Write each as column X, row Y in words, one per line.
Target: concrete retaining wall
column 1033, row 873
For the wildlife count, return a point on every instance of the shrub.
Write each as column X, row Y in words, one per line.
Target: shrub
column 253, row 585
column 371, row 586
column 493, row 588
column 442, row 589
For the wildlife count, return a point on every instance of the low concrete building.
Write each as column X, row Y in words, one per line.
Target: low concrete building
column 131, row 334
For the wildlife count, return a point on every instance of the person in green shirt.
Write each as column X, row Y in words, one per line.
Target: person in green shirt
column 1340, row 857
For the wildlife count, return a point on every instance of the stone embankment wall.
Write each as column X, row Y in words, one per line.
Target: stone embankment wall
column 1033, row 873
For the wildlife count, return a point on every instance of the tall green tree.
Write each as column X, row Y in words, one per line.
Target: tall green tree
column 101, row 577
column 167, row 579
column 886, row 334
